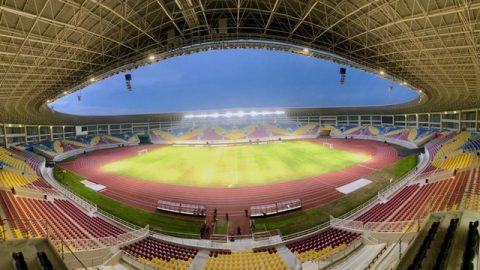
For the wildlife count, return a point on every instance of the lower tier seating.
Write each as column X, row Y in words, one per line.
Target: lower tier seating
column 322, row 245
column 260, row 259
column 161, row 255
column 416, row 200
column 28, row 218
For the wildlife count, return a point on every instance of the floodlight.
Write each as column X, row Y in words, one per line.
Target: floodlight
column 343, row 75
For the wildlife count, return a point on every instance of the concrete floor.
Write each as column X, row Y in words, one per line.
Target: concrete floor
column 29, row 248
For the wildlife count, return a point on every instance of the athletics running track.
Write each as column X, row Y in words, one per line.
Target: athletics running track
column 312, row 191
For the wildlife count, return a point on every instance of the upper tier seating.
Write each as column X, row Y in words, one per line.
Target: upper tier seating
column 235, row 132
column 457, row 153
column 21, row 170
column 54, row 148
column 322, row 245
column 415, row 136
column 161, row 255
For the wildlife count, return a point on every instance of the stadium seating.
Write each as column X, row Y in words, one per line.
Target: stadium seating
column 258, row 259
column 161, row 255
column 415, row 201
column 457, row 153
column 21, row 170
column 66, row 221
column 70, row 222
column 96, row 226
column 322, row 245
column 15, row 161
column 413, row 136
column 382, row 211
column 52, row 149
column 235, row 132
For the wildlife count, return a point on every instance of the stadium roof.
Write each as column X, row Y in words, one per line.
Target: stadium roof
column 49, row 48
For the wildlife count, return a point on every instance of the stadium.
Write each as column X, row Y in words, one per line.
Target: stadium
column 228, row 183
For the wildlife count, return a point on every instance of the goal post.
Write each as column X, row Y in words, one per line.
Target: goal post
column 326, row 144
column 141, row 152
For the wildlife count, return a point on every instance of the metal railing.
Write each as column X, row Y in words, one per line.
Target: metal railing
column 26, row 232
column 133, row 260
column 47, row 174
column 117, row 220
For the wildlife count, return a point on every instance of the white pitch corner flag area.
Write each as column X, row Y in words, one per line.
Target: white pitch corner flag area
column 351, row 187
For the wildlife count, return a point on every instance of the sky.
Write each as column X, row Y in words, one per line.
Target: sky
column 230, row 79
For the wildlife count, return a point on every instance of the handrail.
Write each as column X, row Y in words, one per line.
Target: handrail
column 48, row 227
column 118, row 220
column 47, row 174
column 73, row 253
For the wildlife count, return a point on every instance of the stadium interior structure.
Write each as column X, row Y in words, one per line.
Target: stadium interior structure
column 426, row 218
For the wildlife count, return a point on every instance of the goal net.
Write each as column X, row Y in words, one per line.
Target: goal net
column 329, row 145
column 141, row 152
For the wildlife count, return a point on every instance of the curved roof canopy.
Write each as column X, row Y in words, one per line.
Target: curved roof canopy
column 49, row 48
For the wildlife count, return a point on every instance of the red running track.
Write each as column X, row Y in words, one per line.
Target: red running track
column 312, row 191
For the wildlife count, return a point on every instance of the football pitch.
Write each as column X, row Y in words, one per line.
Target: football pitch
column 235, row 166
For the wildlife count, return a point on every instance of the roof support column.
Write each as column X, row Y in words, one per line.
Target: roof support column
column 4, row 134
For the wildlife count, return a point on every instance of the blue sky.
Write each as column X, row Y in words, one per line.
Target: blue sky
column 233, row 79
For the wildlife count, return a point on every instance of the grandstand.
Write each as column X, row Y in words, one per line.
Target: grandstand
column 233, row 133
column 423, row 216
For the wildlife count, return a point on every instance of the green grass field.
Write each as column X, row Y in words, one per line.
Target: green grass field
column 233, row 166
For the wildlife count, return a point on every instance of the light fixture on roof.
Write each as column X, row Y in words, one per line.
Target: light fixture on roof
column 128, row 78
column 233, row 114
column 382, row 73
column 151, row 57
column 64, row 92
column 306, row 50
column 343, row 75
column 404, row 83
